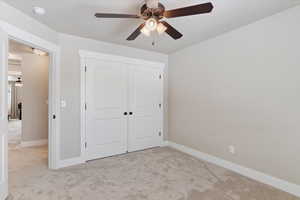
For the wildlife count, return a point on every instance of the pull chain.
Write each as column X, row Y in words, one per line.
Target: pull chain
column 153, row 41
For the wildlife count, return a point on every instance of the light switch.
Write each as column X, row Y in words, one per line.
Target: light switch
column 63, row 103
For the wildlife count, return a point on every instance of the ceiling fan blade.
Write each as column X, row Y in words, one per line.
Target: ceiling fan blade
column 111, row 15
column 136, row 33
column 191, row 10
column 171, row 31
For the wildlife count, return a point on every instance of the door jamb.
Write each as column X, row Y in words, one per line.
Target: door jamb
column 54, row 86
column 84, row 55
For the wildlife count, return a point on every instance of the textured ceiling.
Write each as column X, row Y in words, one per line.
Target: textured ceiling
column 76, row 17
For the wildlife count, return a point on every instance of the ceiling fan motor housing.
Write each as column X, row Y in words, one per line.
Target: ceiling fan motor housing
column 157, row 13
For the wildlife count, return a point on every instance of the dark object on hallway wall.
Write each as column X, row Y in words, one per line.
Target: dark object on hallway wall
column 20, row 110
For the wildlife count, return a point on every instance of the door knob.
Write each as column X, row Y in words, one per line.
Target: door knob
column 125, row 113
column 130, row 113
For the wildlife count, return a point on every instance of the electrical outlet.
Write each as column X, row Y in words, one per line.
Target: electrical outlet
column 231, row 149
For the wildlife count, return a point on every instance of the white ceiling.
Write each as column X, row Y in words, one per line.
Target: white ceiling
column 76, row 17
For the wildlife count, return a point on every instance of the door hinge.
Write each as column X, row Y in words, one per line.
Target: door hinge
column 85, row 144
column 85, row 106
column 160, row 76
column 85, row 68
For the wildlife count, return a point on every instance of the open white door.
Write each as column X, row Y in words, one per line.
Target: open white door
column 145, row 106
column 3, row 115
column 106, row 117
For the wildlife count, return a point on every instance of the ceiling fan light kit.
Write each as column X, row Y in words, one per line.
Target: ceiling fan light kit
column 151, row 24
column 146, row 31
column 161, row 28
column 154, row 14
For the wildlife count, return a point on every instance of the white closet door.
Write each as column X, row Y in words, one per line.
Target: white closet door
column 3, row 114
column 145, row 98
column 106, row 97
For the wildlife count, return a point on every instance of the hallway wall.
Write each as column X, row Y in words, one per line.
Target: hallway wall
column 35, row 96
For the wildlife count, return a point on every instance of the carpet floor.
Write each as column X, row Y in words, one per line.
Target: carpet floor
column 155, row 174
column 14, row 131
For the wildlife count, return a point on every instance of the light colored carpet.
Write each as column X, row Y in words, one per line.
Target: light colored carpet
column 156, row 174
column 14, row 131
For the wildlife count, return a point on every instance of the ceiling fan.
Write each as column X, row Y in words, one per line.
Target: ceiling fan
column 154, row 14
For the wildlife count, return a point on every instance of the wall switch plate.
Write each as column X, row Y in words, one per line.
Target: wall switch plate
column 231, row 149
column 63, row 103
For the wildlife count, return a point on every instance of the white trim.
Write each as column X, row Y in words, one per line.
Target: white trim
column 82, row 107
column 71, row 162
column 3, row 115
column 122, row 59
column 165, row 143
column 3, row 190
column 54, row 108
column 33, row 143
column 54, row 84
column 84, row 55
column 26, row 37
column 251, row 173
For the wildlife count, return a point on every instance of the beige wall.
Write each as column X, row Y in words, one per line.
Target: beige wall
column 242, row 89
column 34, row 97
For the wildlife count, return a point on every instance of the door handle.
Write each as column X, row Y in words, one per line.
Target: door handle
column 125, row 113
column 130, row 113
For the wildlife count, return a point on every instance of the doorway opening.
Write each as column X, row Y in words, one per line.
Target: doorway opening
column 28, row 90
column 27, row 95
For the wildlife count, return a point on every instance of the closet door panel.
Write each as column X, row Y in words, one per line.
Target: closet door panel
column 106, row 98
column 145, row 96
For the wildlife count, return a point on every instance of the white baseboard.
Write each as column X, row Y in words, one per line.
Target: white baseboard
column 165, row 143
column 71, row 162
column 256, row 175
column 33, row 143
column 3, row 190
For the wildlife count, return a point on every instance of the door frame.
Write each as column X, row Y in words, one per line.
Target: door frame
column 84, row 55
column 27, row 38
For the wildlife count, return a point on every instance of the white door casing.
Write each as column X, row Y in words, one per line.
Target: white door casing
column 145, row 105
column 3, row 115
column 106, row 101
column 17, row 34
